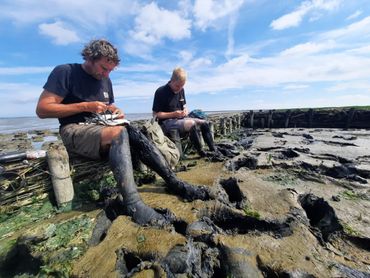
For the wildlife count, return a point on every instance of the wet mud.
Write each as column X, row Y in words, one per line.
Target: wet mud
column 287, row 203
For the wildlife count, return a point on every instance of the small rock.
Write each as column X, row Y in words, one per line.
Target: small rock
column 335, row 198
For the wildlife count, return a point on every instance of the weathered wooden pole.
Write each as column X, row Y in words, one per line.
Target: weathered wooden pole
column 230, row 120
column 269, row 119
column 223, row 126
column 251, row 119
column 351, row 113
column 287, row 115
column 58, row 162
column 238, row 121
column 310, row 117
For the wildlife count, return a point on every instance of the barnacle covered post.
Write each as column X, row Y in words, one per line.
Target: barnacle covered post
column 58, row 162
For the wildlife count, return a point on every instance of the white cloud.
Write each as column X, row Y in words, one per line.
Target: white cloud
column 153, row 24
column 309, row 48
column 363, row 50
column 354, row 15
column 296, row 87
column 60, row 34
column 289, row 20
column 87, row 13
column 200, row 63
column 208, row 11
column 359, row 85
column 358, row 30
column 24, row 70
column 295, row 18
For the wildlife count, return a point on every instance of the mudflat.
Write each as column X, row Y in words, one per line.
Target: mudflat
column 295, row 203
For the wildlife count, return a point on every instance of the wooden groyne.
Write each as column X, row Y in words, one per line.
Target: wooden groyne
column 307, row 118
column 226, row 123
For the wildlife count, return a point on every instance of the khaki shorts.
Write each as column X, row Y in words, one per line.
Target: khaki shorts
column 179, row 124
column 83, row 140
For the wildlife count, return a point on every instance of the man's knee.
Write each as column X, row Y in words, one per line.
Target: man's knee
column 109, row 134
column 189, row 124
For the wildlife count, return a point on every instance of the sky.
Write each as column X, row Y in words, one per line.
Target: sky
column 239, row 54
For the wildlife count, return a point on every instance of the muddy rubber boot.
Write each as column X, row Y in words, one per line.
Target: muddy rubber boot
column 207, row 136
column 121, row 165
column 153, row 158
column 215, row 155
column 174, row 135
column 196, row 141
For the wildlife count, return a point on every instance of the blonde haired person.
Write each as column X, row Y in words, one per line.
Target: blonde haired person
column 169, row 106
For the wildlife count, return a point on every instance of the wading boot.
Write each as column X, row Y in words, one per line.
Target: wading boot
column 196, row 141
column 215, row 155
column 121, row 165
column 207, row 136
column 152, row 157
column 174, row 135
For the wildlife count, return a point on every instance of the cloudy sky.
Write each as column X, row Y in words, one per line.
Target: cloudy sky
column 239, row 54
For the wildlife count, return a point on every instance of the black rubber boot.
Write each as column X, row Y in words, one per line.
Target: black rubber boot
column 121, row 165
column 153, row 158
column 196, row 141
column 174, row 135
column 207, row 136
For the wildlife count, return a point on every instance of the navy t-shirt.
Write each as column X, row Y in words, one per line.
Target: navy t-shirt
column 165, row 100
column 74, row 85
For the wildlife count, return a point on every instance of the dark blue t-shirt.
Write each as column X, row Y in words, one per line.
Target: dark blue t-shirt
column 165, row 100
column 74, row 85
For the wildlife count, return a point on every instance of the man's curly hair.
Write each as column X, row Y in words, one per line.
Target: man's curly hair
column 97, row 49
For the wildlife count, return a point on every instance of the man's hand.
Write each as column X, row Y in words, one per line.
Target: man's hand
column 96, row 107
column 180, row 114
column 115, row 110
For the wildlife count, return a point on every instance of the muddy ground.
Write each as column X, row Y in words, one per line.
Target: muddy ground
column 297, row 205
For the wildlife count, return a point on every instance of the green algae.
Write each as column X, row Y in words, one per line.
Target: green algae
column 65, row 243
column 12, row 221
column 251, row 212
column 352, row 195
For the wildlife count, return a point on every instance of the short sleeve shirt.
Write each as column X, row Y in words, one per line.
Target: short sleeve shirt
column 165, row 100
column 74, row 85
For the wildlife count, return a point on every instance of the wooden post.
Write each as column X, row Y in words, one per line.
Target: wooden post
column 238, row 121
column 269, row 120
column 230, row 125
column 58, row 162
column 351, row 113
column 223, row 127
column 310, row 117
column 251, row 119
column 212, row 129
column 288, row 113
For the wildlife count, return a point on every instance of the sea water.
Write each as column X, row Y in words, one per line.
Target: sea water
column 26, row 124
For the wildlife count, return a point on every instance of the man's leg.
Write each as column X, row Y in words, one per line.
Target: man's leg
column 152, row 157
column 207, row 136
column 174, row 135
column 121, row 165
column 171, row 128
column 196, row 141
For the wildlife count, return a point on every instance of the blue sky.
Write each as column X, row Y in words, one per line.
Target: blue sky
column 239, row 54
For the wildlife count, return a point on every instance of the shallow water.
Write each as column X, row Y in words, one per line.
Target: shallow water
column 25, row 124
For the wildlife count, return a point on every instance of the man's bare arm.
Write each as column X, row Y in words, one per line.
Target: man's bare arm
column 169, row 115
column 50, row 106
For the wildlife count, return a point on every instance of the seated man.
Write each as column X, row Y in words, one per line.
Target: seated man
column 73, row 93
column 169, row 106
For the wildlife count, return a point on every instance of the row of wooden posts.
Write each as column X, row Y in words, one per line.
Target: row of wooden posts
column 291, row 118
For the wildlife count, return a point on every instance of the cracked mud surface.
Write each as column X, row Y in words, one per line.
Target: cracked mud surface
column 299, row 203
